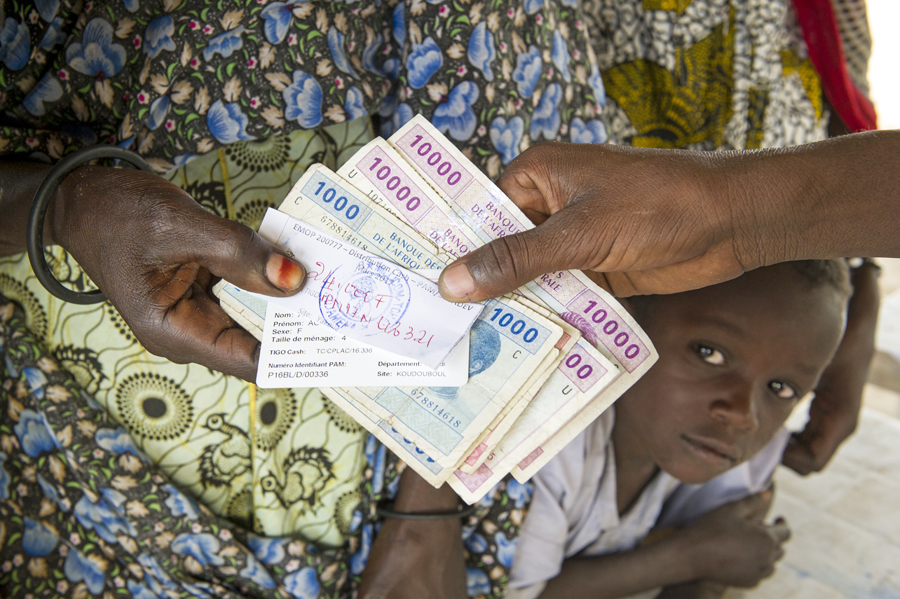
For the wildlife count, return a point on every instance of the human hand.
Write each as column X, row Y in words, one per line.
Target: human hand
column 638, row 220
column 834, row 412
column 411, row 559
column 733, row 546
column 155, row 253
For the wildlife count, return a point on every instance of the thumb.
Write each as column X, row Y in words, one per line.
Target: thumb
column 756, row 506
column 238, row 254
column 509, row 262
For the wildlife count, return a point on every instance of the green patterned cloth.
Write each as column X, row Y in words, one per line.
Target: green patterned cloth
column 195, row 423
column 83, row 511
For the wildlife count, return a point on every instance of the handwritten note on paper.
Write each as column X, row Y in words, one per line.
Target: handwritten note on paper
column 367, row 298
column 298, row 352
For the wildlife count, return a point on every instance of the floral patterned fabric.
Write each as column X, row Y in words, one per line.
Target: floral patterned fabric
column 226, row 444
column 176, row 78
column 84, row 512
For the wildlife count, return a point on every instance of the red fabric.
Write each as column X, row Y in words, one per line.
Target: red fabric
column 823, row 40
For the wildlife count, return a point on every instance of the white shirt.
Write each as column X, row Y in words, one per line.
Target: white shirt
column 574, row 510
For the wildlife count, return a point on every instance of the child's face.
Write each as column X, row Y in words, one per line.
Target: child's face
column 733, row 361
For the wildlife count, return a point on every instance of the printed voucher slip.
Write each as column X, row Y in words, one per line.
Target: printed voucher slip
column 367, row 298
column 298, row 352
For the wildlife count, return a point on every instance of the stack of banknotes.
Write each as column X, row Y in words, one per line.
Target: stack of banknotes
column 544, row 362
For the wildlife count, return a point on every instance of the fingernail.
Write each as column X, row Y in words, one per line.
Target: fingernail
column 284, row 273
column 458, row 281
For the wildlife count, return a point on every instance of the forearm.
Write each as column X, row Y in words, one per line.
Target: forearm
column 862, row 313
column 846, row 375
column 667, row 562
column 839, row 197
column 19, row 181
column 417, row 558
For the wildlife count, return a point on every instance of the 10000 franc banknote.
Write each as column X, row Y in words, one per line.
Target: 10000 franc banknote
column 381, row 233
column 563, row 396
column 487, row 211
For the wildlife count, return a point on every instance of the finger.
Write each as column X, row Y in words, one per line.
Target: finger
column 196, row 329
column 239, row 255
column 780, row 530
column 563, row 242
column 755, row 506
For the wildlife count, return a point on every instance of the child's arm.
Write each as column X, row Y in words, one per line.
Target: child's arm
column 417, row 558
column 729, row 546
column 834, row 412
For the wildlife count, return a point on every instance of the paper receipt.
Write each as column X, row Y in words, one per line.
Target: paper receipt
column 298, row 352
column 366, row 298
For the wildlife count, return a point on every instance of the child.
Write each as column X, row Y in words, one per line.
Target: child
column 734, row 359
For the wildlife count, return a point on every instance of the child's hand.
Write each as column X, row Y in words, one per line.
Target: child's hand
column 733, row 546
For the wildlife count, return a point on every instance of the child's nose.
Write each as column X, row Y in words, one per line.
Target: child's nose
column 736, row 405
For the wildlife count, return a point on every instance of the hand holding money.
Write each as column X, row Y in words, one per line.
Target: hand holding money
column 629, row 215
column 543, row 362
column 154, row 251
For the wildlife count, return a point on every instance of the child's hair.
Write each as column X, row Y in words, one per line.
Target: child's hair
column 835, row 273
column 816, row 273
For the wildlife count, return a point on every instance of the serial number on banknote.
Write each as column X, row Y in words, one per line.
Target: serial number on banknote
column 436, row 409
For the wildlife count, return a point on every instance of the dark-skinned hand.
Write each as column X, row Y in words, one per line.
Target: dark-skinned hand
column 156, row 253
column 640, row 221
column 732, row 544
column 650, row 221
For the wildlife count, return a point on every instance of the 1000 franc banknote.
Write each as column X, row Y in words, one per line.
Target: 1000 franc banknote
column 489, row 215
column 507, row 345
column 385, row 176
column 501, row 371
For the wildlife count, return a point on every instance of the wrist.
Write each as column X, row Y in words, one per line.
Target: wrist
column 765, row 201
column 415, row 494
column 689, row 558
column 68, row 203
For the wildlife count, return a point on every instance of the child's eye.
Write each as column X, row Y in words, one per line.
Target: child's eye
column 710, row 355
column 782, row 390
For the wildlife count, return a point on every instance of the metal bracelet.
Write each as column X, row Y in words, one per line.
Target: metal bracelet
column 35, row 233
column 387, row 511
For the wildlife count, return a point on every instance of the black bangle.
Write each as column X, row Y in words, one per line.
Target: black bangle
column 387, row 511
column 35, row 233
